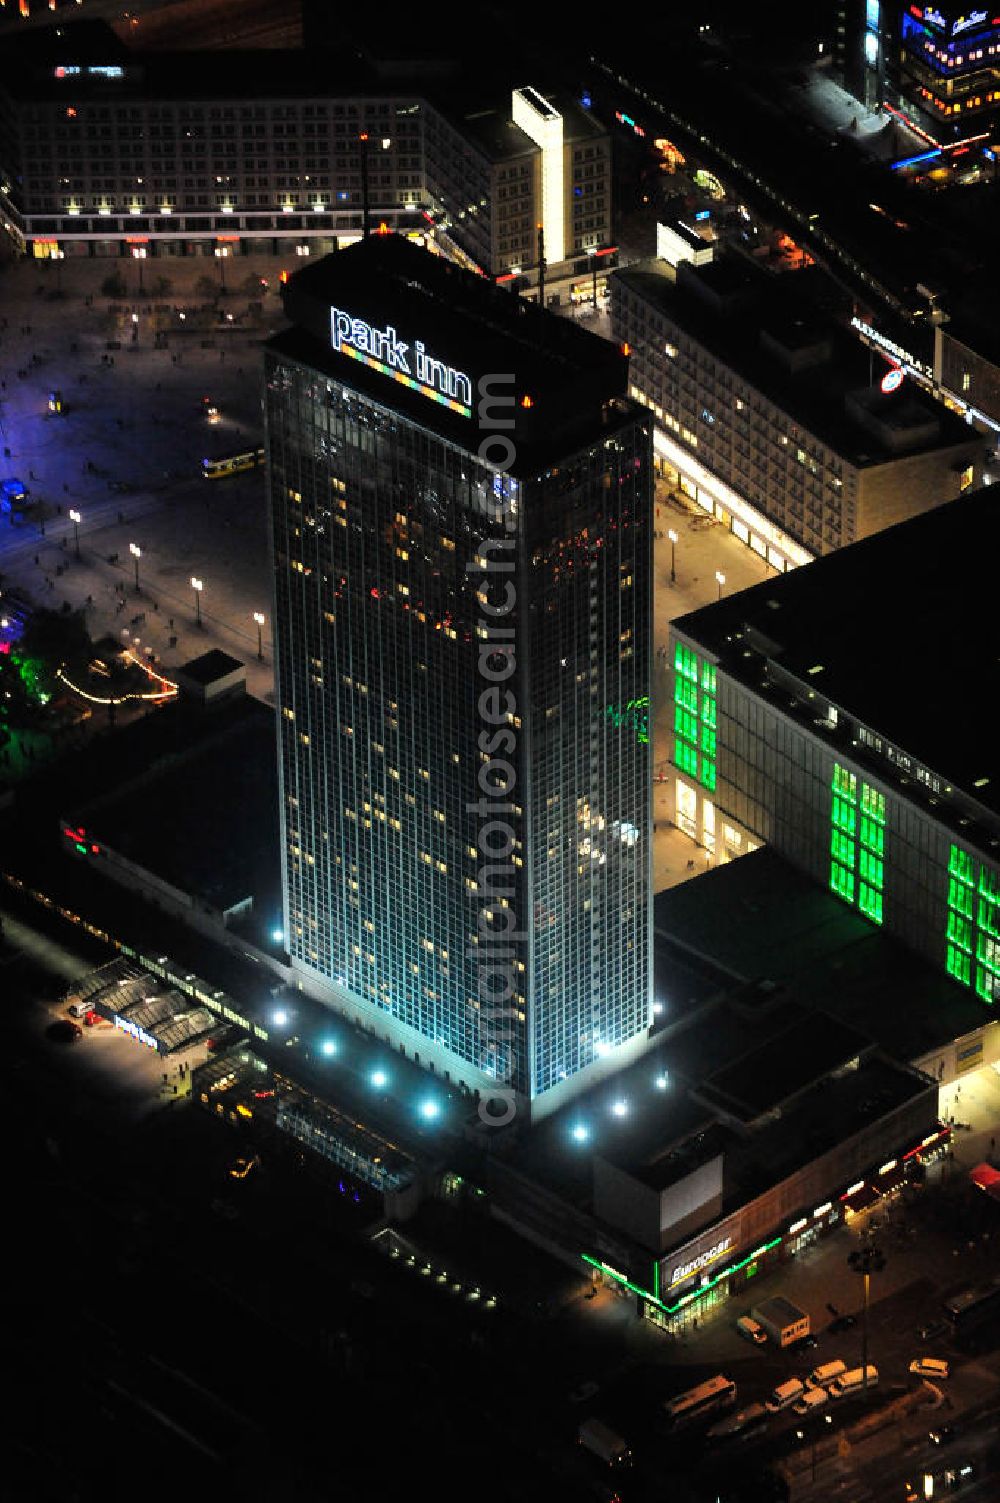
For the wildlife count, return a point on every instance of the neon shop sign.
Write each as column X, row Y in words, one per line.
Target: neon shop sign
column 406, row 361
column 685, row 1270
column 127, row 1026
column 965, row 23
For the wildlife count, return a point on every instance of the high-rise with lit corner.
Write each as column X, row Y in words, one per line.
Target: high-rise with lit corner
column 460, row 492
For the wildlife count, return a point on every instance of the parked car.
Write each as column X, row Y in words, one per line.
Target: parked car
column 64, row 1032
column 803, row 1343
column 785, row 1395
column 930, row 1367
column 751, row 1330
column 841, row 1323
column 813, row 1398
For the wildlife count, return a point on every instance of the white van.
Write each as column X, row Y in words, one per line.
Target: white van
column 751, row 1330
column 823, row 1376
column 813, row 1398
column 853, row 1382
column 785, row 1394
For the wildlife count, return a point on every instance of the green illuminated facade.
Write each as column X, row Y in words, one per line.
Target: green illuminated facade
column 973, row 935
column 857, row 842
column 695, row 716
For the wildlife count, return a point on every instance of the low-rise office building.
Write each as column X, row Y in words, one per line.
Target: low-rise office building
column 499, row 173
column 793, row 1086
column 837, row 714
column 773, row 417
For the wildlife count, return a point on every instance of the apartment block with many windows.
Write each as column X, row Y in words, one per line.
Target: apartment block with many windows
column 773, row 416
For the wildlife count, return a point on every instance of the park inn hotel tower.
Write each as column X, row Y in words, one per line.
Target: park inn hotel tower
column 460, row 494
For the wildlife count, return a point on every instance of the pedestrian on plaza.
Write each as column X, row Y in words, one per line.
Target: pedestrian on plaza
column 36, row 558
column 32, row 475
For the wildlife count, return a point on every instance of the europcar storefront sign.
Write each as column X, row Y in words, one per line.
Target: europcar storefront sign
column 406, row 361
column 703, row 1259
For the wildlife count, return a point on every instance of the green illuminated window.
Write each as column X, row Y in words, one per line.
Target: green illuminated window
column 960, row 930
column 873, row 802
column 686, row 757
column 973, row 924
column 959, row 965
column 686, row 661
column 844, row 815
column 842, row 847
column 988, row 951
column 857, row 872
column 987, row 984
column 686, row 694
column 870, row 902
column 685, row 723
column 695, row 715
column 872, row 835
column 845, row 782
column 988, row 917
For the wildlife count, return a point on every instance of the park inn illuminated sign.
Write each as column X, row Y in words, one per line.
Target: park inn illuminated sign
column 405, row 361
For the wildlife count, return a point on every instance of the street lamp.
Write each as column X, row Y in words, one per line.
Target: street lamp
column 866, row 1260
column 196, row 585
column 672, row 535
column 592, row 253
column 720, row 580
column 259, row 619
column 365, row 211
column 139, row 254
column 136, row 553
column 76, row 519
column 221, row 252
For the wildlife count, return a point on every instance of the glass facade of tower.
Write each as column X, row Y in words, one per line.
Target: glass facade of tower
column 378, row 530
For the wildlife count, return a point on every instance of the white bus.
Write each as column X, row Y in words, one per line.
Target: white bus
column 714, row 1393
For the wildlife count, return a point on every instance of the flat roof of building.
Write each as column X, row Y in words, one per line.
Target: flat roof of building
column 899, row 631
column 569, row 386
column 756, row 304
column 195, row 800
column 492, row 129
column 210, row 667
column 793, row 943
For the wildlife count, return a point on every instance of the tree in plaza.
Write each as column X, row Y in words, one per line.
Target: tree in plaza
column 114, row 285
column 51, row 640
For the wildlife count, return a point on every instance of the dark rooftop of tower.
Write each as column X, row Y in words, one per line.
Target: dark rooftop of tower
column 568, row 385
